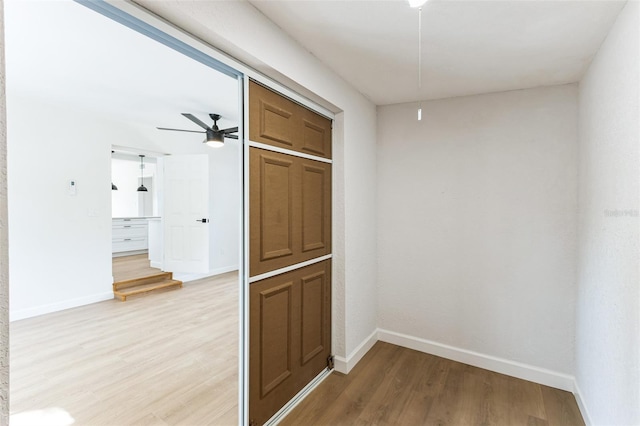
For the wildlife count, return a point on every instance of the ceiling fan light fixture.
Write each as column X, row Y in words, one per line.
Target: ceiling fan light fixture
column 214, row 135
column 417, row 3
column 214, row 139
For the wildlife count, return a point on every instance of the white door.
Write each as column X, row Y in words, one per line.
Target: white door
column 186, row 213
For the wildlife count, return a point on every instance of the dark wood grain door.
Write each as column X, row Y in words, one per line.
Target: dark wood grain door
column 290, row 219
column 290, row 238
column 290, row 336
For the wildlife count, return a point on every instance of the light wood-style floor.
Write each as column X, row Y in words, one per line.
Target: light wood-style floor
column 130, row 267
column 398, row 386
column 164, row 358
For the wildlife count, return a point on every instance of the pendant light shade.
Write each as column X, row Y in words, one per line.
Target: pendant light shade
column 214, row 139
column 142, row 188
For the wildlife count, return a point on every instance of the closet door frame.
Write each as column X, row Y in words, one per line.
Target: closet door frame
column 141, row 20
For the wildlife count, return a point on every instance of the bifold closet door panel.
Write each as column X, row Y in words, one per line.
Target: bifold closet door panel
column 279, row 121
column 290, row 210
column 290, row 336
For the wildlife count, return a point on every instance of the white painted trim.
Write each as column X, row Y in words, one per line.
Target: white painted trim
column 288, row 152
column 289, row 268
column 499, row 365
column 243, row 347
column 157, row 265
column 344, row 366
column 285, row 91
column 59, row 306
column 293, row 402
column 582, row 406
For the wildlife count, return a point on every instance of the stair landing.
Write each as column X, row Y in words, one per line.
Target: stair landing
column 130, row 287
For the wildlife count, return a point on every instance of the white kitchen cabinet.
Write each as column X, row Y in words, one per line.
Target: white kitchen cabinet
column 129, row 236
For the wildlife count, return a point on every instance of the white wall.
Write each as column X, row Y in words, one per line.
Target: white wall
column 126, row 201
column 354, row 219
column 4, row 247
column 608, row 297
column 477, row 227
column 60, row 245
column 69, row 238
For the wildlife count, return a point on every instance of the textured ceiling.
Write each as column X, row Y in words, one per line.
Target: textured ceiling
column 468, row 47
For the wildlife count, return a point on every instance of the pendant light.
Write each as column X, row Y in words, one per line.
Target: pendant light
column 142, row 188
column 113, row 187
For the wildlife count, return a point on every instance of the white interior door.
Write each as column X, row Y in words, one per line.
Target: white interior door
column 186, row 213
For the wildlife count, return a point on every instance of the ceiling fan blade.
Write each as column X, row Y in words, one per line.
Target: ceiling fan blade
column 229, row 130
column 196, row 120
column 179, row 130
column 231, row 136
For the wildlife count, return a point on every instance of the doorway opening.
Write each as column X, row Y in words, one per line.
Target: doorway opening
column 76, row 351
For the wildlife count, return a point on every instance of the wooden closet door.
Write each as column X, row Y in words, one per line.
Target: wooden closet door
column 289, row 223
column 278, row 121
column 290, row 336
column 290, row 203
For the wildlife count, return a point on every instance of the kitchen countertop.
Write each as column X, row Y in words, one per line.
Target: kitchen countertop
column 136, row 217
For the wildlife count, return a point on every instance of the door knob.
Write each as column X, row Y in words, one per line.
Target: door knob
column 202, row 220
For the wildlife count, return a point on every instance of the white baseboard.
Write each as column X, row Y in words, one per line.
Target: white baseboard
column 186, row 277
column 488, row 362
column 59, row 306
column 344, row 366
column 157, row 265
column 581, row 405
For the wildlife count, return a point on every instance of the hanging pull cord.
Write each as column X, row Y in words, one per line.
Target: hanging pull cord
column 419, row 61
column 420, row 48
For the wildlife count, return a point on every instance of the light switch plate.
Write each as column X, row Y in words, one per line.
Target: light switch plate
column 72, row 188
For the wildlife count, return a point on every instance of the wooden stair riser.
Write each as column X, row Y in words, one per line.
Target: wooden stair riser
column 146, row 288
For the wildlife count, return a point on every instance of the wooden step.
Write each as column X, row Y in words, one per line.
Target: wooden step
column 134, row 282
column 125, row 288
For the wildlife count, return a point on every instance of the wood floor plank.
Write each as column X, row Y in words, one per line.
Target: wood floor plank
column 525, row 400
column 398, row 386
column 561, row 407
column 391, row 398
column 161, row 359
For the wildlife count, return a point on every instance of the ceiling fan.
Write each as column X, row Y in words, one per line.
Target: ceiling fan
column 215, row 136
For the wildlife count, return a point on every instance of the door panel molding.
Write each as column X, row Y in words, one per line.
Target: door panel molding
column 274, row 123
column 312, row 325
column 276, row 207
column 276, row 314
column 313, row 207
